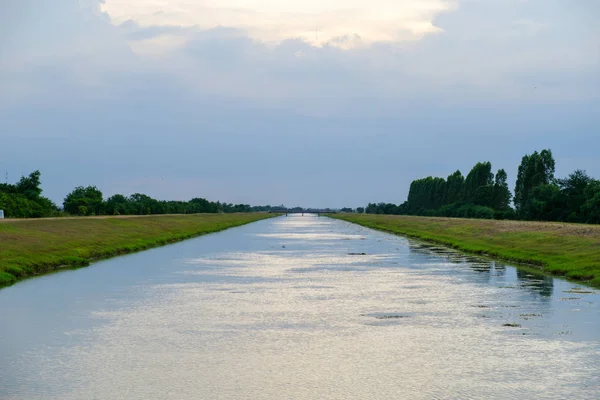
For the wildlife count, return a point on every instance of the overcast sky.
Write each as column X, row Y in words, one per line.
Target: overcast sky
column 323, row 103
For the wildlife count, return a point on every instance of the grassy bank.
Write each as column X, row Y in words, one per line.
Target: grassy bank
column 33, row 247
column 570, row 250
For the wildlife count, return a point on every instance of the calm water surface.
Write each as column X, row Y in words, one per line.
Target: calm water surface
column 291, row 308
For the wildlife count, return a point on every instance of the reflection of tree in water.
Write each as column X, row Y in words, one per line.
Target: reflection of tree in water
column 499, row 269
column 452, row 256
column 544, row 285
column 537, row 283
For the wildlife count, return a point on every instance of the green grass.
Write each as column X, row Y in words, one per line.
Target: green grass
column 569, row 250
column 34, row 247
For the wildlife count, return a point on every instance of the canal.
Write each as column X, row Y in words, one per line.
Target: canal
column 299, row 307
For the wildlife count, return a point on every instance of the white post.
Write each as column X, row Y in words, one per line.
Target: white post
column 1, row 214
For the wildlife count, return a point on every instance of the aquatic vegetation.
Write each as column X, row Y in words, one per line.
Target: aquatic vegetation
column 562, row 249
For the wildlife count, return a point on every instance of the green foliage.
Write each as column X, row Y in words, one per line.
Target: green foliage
column 545, row 203
column 535, row 170
column 6, row 279
column 84, row 200
column 30, row 186
column 574, row 188
column 24, row 199
column 426, row 194
column 477, row 196
column 590, row 210
column 538, row 195
column 501, row 195
column 479, row 184
column 454, row 188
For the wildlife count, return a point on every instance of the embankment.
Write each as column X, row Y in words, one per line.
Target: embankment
column 34, row 247
column 570, row 250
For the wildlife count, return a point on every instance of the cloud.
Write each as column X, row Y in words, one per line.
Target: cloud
column 315, row 21
column 90, row 94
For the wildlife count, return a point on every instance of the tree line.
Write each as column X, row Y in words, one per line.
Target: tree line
column 538, row 194
column 24, row 200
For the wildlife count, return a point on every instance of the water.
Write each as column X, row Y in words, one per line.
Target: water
column 291, row 308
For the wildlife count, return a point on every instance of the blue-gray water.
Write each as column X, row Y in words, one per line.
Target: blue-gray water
column 281, row 309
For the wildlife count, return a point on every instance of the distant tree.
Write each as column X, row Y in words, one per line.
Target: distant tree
column 479, row 177
column 117, row 205
column 502, row 195
column 535, row 170
column 347, row 210
column 574, row 187
column 590, row 210
column 30, row 186
column 546, row 203
column 24, row 199
column 360, row 210
column 454, row 188
column 426, row 194
column 89, row 197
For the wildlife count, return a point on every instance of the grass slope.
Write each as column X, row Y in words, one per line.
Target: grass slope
column 570, row 250
column 33, row 247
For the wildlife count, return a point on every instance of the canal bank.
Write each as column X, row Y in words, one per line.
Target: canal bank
column 560, row 249
column 36, row 246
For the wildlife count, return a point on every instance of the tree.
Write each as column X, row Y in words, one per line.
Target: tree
column 535, row 170
column 24, row 199
column 546, row 203
column 30, row 186
column 89, row 197
column 574, row 187
column 454, row 188
column 426, row 194
column 117, row 205
column 590, row 210
column 360, row 210
column 480, row 176
column 502, row 193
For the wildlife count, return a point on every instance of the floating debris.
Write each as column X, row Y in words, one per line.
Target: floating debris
column 569, row 298
column 563, row 333
column 579, row 291
column 357, row 254
column 390, row 316
column 513, row 325
column 386, row 315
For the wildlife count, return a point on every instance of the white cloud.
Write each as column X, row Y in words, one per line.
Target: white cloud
column 315, row 21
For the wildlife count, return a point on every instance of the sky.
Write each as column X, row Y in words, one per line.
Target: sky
column 318, row 103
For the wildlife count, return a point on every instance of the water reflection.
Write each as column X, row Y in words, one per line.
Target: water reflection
column 540, row 283
column 490, row 271
column 339, row 312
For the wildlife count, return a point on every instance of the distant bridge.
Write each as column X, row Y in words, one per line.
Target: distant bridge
column 307, row 211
